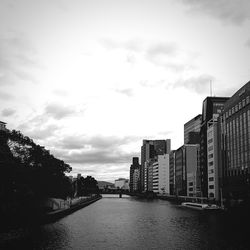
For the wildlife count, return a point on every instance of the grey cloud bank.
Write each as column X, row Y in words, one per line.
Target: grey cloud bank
column 232, row 11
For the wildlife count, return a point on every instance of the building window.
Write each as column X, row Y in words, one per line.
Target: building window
column 211, row 171
column 211, row 186
column 211, row 163
column 210, row 140
column 190, row 183
column 239, row 105
column 190, row 189
column 210, row 156
column 243, row 103
column 211, row 178
column 236, row 107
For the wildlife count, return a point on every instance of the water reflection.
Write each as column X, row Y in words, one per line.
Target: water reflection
column 132, row 223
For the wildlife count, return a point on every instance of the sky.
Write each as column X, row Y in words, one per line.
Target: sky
column 90, row 79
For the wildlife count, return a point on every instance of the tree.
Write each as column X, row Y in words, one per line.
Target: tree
column 87, row 186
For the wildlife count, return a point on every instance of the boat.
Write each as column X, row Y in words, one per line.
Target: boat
column 200, row 206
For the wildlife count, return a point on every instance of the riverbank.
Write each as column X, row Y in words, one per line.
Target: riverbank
column 55, row 215
column 36, row 215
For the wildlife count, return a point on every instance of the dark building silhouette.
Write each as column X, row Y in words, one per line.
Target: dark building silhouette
column 192, row 130
column 149, row 150
column 134, row 178
column 212, row 107
column 234, row 129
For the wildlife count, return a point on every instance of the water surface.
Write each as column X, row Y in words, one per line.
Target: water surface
column 132, row 223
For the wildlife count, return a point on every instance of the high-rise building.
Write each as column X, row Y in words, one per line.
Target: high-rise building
column 234, row 129
column 134, row 166
column 149, row 150
column 192, row 130
column 186, row 170
column 135, row 180
column 212, row 107
column 212, row 159
column 172, row 172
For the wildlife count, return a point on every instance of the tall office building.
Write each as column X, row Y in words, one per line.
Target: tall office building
column 135, row 166
column 234, row 129
column 149, row 150
column 172, row 172
column 186, row 170
column 192, row 130
column 212, row 107
column 212, row 159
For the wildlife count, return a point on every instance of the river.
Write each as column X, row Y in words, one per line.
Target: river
column 132, row 223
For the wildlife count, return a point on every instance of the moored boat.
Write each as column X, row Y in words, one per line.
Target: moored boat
column 200, row 206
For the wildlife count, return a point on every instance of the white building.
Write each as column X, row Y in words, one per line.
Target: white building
column 161, row 175
column 212, row 160
column 122, row 183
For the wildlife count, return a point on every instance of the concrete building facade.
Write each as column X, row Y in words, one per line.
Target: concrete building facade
column 149, row 151
column 212, row 159
column 161, row 175
column 234, row 129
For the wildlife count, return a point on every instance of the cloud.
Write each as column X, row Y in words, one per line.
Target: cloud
column 166, row 55
column 130, row 45
column 98, row 157
column 60, row 92
column 17, row 58
column 94, row 142
column 58, row 111
column 128, row 91
column 8, row 112
column 97, row 149
column 199, row 84
column 232, row 11
column 248, row 43
column 42, row 133
column 4, row 95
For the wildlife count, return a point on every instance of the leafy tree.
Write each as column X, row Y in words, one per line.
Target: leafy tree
column 87, row 186
column 29, row 171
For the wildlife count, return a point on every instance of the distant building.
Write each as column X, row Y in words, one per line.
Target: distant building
column 192, row 130
column 234, row 129
column 161, row 175
column 149, row 150
column 133, row 183
column 3, row 126
column 122, row 183
column 149, row 175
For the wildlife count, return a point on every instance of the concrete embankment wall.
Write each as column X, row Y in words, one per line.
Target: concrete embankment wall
column 55, row 215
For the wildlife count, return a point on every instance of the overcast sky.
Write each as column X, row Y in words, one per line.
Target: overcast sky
column 90, row 79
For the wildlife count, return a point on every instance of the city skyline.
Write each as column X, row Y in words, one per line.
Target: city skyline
column 90, row 80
